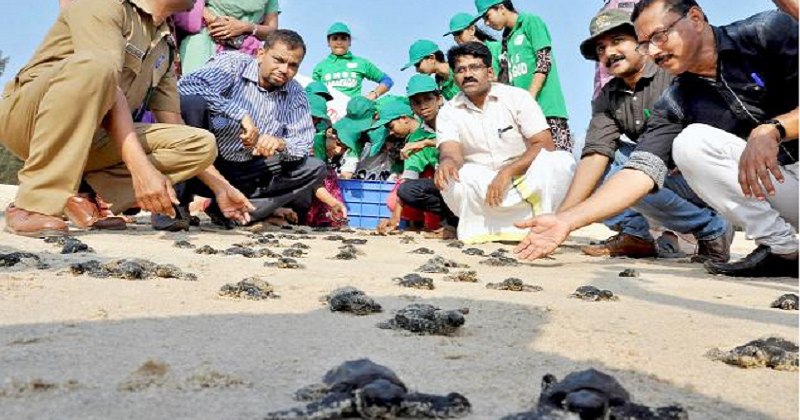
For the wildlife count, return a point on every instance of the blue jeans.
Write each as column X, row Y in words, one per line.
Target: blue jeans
column 676, row 207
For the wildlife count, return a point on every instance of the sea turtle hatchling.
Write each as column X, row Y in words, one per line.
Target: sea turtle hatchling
column 787, row 302
column 455, row 244
column 593, row 294
column 439, row 264
column 183, row 244
column 514, row 284
column 425, row 319
column 407, row 240
column 130, row 269
column 354, row 241
column 299, row 245
column 629, row 272
column 367, row 390
column 415, row 281
column 422, row 251
column 206, row 250
column 246, row 252
column 14, row 258
column 346, row 255
column 75, row 246
column 294, row 253
column 473, row 251
column 287, row 263
column 772, row 352
column 252, row 288
column 464, row 276
column 501, row 261
column 499, row 253
column 350, row 299
column 335, row 238
column 592, row 395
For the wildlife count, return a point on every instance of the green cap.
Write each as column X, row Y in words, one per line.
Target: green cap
column 361, row 111
column 349, row 133
column 338, row 28
column 419, row 50
column 460, row 22
column 483, row 6
column 601, row 24
column 392, row 111
column 421, row 83
column 318, row 106
column 319, row 89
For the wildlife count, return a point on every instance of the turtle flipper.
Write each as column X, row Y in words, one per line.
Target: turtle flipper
column 333, row 406
column 313, row 392
column 452, row 405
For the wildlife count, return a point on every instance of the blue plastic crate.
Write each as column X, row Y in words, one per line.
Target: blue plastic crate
column 366, row 202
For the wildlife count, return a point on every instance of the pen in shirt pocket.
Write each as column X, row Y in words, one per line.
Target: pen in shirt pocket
column 500, row 131
column 757, row 79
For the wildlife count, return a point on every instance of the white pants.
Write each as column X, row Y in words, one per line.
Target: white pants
column 541, row 190
column 709, row 160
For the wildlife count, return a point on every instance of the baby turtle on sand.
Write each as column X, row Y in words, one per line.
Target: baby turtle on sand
column 130, row 269
column 266, row 253
column 14, row 258
column 183, row 245
column 243, row 251
column 415, row 281
column 287, row 263
column 501, row 261
column 346, row 255
column 787, row 302
column 74, row 246
column 499, row 253
column 299, row 245
column 629, row 272
column 252, row 288
column 350, row 299
column 294, row 253
column 335, row 238
column 772, row 352
column 455, row 244
column 513, row 284
column 407, row 240
column 474, row 251
column 593, row 294
column 367, row 390
column 354, row 241
column 424, row 319
column 351, row 248
column 423, row 251
column 438, row 264
column 206, row 250
column 464, row 276
column 592, row 395
column 288, row 237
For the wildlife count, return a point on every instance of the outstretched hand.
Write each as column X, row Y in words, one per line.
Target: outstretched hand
column 234, row 205
column 547, row 233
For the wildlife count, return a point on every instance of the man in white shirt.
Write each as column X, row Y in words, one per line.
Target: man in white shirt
column 497, row 157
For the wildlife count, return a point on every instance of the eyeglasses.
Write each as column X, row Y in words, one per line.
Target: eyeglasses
column 472, row 68
column 658, row 38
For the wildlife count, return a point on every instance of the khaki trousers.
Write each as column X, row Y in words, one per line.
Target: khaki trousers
column 52, row 124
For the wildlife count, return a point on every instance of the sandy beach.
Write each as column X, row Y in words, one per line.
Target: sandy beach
column 77, row 347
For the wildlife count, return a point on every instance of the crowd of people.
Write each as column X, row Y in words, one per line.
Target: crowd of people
column 188, row 103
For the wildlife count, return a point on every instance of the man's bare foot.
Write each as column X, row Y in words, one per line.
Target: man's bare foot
column 444, row 233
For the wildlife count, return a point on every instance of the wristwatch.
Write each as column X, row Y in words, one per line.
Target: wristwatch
column 778, row 126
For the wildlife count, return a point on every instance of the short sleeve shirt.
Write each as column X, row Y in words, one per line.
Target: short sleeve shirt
column 273, row 6
column 522, row 42
column 427, row 157
column 122, row 34
column 495, row 135
column 346, row 73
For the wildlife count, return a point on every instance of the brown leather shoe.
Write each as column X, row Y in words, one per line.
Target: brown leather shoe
column 717, row 250
column 86, row 214
column 28, row 223
column 623, row 245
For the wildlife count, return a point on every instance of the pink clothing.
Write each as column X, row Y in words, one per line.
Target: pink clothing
column 319, row 213
column 192, row 22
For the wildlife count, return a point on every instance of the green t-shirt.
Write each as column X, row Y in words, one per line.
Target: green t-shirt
column 273, row 6
column 528, row 36
column 428, row 156
column 448, row 87
column 345, row 73
column 496, row 48
column 320, row 148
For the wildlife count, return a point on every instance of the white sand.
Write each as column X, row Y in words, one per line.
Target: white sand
column 233, row 359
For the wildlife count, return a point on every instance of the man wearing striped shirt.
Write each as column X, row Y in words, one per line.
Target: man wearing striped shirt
column 261, row 119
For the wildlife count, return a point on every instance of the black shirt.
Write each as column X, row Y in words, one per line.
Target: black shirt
column 756, row 81
column 619, row 110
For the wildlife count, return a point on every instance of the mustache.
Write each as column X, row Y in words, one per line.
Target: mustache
column 469, row 79
column 614, row 59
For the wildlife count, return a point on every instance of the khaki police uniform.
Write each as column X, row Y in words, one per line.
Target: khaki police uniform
column 51, row 113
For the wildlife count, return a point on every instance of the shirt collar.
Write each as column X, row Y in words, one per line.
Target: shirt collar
column 346, row 56
column 461, row 100
column 723, row 40
column 144, row 6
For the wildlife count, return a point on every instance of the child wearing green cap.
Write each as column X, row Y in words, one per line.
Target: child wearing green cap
column 420, row 152
column 529, row 62
column 345, row 72
column 427, row 58
column 464, row 29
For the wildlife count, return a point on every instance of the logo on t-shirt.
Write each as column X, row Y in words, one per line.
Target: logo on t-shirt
column 352, row 65
column 519, row 39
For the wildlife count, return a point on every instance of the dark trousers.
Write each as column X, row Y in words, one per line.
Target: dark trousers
column 422, row 194
column 268, row 186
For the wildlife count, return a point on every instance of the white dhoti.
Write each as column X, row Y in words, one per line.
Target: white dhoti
column 541, row 190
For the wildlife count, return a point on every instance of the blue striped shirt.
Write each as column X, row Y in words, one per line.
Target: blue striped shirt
column 229, row 84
